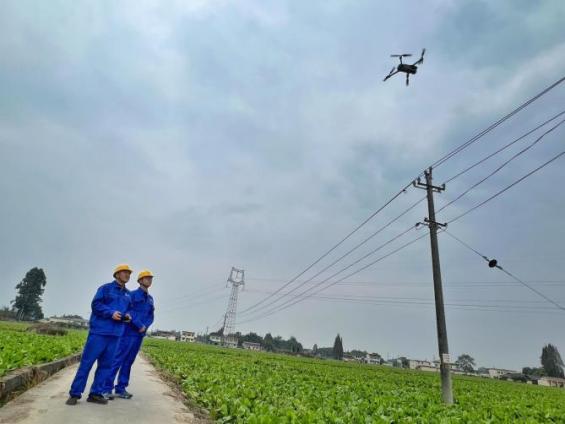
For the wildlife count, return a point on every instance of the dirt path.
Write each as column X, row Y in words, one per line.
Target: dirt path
column 153, row 402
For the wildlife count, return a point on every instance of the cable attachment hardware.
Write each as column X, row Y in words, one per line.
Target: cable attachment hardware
column 439, row 224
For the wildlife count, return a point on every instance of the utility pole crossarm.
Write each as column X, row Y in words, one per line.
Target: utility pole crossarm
column 418, row 183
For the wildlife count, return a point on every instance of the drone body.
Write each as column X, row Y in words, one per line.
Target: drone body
column 404, row 67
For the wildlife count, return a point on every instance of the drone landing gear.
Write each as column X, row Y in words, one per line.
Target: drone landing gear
column 407, row 79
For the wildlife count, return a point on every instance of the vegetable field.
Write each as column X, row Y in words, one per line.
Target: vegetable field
column 256, row 387
column 19, row 348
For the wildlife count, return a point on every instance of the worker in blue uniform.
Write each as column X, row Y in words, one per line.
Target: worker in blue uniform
column 111, row 312
column 143, row 311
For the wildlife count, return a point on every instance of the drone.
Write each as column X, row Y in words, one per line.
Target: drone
column 403, row 67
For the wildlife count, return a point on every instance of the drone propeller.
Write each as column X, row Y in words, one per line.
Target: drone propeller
column 421, row 60
column 401, row 55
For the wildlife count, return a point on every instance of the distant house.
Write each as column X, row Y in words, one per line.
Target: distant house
column 498, row 372
column 482, row 372
column 187, row 336
column 251, row 346
column 515, row 377
column 165, row 335
column 428, row 368
column 230, row 341
column 397, row 363
column 551, row 382
column 416, row 364
column 432, row 366
column 74, row 321
column 349, row 358
column 372, row 358
column 215, row 339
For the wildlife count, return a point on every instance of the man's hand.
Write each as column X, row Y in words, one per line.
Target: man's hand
column 117, row 316
column 128, row 318
column 142, row 329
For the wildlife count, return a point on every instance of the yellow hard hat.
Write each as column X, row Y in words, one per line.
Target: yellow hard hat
column 144, row 273
column 122, row 267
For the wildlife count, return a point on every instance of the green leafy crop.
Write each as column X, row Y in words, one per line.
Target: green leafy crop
column 19, row 348
column 262, row 388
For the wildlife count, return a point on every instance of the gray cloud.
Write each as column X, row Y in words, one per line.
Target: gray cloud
column 190, row 138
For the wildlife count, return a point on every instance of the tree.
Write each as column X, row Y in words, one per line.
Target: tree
column 71, row 316
column 338, row 348
column 537, row 372
column 325, row 352
column 30, row 289
column 294, row 345
column 315, row 349
column 404, row 362
column 7, row 313
column 551, row 361
column 268, row 343
column 466, row 362
column 251, row 337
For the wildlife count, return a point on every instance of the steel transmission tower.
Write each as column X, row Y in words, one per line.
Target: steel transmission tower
column 237, row 279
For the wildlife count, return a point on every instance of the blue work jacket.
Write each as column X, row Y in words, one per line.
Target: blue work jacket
column 143, row 310
column 109, row 298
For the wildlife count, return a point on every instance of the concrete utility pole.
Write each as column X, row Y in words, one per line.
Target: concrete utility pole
column 446, row 389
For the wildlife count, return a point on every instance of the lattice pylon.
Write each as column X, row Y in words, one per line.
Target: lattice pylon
column 237, row 280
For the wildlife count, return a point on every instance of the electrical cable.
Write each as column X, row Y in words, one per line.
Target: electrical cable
column 505, row 271
column 516, row 155
column 503, row 148
column 475, row 138
column 507, row 187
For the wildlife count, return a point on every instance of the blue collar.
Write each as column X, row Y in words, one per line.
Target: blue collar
column 145, row 293
column 118, row 285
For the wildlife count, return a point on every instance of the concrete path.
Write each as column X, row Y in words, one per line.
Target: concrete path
column 153, row 402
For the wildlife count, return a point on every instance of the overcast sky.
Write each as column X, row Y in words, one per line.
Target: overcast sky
column 192, row 136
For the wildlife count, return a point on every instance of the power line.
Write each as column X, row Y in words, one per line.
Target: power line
column 429, row 302
column 507, row 272
column 372, row 252
column 294, row 301
column 516, row 155
column 351, row 296
column 507, row 187
column 218, row 322
column 473, row 139
column 425, row 283
column 403, row 190
column 191, row 303
column 503, row 148
column 199, row 294
column 256, row 309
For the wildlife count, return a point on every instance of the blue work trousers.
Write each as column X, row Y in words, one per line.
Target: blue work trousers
column 100, row 349
column 123, row 360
